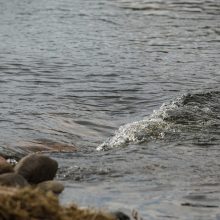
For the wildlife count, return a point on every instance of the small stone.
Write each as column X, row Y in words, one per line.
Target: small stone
column 51, row 185
column 36, row 168
column 6, row 168
column 12, row 179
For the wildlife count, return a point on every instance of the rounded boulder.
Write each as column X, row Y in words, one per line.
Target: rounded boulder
column 36, row 168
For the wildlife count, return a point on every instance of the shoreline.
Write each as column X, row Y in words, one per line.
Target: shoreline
column 29, row 191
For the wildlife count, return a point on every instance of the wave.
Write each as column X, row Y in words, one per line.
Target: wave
column 191, row 116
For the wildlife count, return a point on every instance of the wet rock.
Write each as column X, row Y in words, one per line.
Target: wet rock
column 36, row 168
column 120, row 215
column 6, row 168
column 51, row 185
column 12, row 179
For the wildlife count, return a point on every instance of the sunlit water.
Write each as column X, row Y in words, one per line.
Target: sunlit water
column 133, row 85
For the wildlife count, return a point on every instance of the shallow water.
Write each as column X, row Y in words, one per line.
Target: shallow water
column 136, row 79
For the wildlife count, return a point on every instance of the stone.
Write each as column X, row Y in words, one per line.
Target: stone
column 12, row 179
column 36, row 168
column 120, row 215
column 6, row 168
column 51, row 185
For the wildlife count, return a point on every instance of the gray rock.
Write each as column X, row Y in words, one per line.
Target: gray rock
column 12, row 179
column 36, row 168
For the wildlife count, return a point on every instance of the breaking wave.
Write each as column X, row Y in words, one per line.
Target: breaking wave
column 189, row 117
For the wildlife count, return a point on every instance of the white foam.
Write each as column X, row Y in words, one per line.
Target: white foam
column 184, row 114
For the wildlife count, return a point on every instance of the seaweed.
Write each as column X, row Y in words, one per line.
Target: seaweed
column 33, row 204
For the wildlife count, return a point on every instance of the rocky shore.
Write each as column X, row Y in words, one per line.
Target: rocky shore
column 28, row 191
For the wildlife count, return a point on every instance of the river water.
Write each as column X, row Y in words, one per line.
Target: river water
column 133, row 85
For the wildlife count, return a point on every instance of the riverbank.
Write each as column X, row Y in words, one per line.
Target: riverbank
column 28, row 191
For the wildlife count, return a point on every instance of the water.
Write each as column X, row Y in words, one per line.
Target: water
column 137, row 80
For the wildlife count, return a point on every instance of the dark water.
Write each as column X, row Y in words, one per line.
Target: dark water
column 137, row 80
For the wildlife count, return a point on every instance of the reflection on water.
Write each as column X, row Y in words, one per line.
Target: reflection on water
column 73, row 72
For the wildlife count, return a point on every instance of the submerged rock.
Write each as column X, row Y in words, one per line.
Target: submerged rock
column 36, row 168
column 51, row 185
column 12, row 179
column 45, row 145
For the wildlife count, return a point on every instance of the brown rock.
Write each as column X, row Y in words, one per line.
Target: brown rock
column 12, row 179
column 51, row 185
column 6, row 168
column 36, row 168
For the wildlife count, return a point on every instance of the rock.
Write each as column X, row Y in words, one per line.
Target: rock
column 36, row 168
column 12, row 179
column 51, row 185
column 6, row 168
column 120, row 215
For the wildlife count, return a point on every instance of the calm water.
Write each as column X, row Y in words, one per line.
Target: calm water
column 134, row 85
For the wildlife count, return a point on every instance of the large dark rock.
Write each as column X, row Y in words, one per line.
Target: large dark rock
column 36, row 168
column 12, row 179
